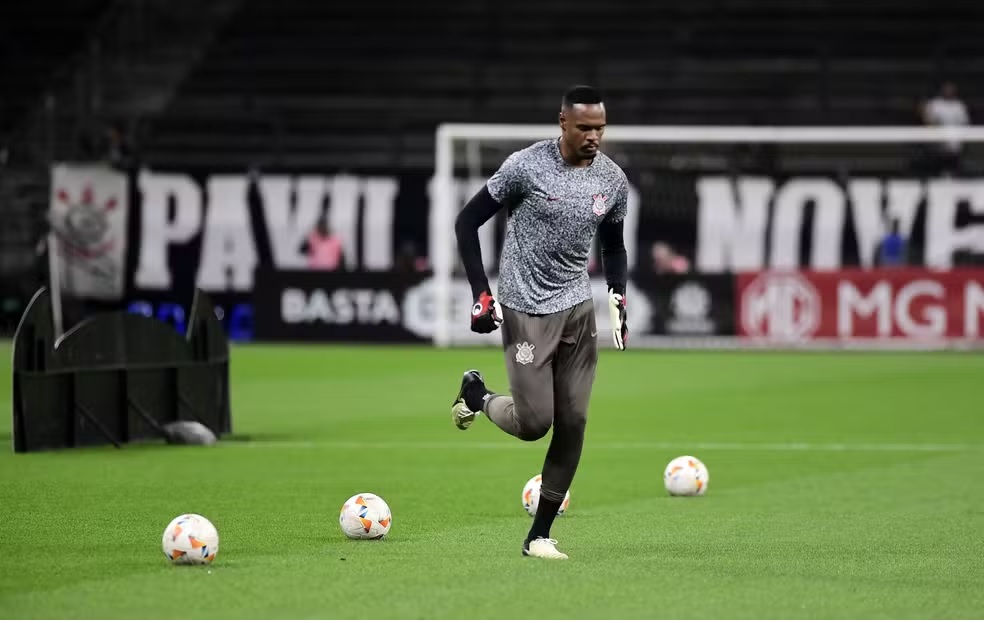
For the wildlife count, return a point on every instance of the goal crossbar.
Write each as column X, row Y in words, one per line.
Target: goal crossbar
column 719, row 134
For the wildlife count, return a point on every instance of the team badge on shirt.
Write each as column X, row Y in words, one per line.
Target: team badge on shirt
column 599, row 206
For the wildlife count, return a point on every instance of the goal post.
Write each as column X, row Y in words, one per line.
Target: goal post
column 831, row 147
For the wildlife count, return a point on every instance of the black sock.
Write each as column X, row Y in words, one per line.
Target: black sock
column 475, row 396
column 546, row 512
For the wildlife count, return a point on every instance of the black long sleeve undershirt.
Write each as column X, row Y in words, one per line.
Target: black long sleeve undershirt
column 476, row 212
column 614, row 259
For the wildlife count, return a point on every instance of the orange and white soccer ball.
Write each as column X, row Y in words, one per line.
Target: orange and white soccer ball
column 365, row 516
column 686, row 476
column 190, row 540
column 531, row 497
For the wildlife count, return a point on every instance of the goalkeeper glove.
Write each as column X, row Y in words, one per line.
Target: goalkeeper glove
column 616, row 311
column 486, row 314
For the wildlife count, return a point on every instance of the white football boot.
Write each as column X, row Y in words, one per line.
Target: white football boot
column 543, row 547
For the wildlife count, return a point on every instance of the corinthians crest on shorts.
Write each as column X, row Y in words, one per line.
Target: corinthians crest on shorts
column 599, row 206
column 524, row 353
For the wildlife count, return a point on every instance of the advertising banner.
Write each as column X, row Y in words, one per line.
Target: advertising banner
column 215, row 230
column 393, row 307
column 690, row 305
column 904, row 306
column 313, row 306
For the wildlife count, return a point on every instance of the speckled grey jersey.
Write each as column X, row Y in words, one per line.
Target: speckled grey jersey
column 555, row 210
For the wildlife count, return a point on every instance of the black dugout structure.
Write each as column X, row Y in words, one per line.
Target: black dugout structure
column 116, row 377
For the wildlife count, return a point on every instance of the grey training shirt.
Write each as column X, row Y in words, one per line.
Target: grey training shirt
column 555, row 209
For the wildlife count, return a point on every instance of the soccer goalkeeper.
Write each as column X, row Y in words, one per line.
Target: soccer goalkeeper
column 558, row 193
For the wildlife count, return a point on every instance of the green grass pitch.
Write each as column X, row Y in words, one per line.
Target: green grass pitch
column 842, row 486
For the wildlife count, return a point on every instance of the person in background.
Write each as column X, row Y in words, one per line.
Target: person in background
column 323, row 247
column 408, row 260
column 666, row 260
column 891, row 251
column 946, row 110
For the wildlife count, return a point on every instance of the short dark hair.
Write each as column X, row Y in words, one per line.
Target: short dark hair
column 581, row 94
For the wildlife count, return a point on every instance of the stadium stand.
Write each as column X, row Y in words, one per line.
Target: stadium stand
column 334, row 85
column 36, row 39
column 314, row 84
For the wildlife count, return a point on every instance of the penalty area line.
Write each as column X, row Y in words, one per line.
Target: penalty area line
column 602, row 445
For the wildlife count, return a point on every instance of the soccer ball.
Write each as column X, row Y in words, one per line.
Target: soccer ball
column 190, row 540
column 531, row 497
column 365, row 516
column 686, row 476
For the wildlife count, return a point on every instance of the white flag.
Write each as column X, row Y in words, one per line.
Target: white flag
column 88, row 215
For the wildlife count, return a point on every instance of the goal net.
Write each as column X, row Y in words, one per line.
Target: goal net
column 817, row 237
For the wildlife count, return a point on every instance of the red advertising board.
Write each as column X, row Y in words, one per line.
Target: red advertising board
column 894, row 305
